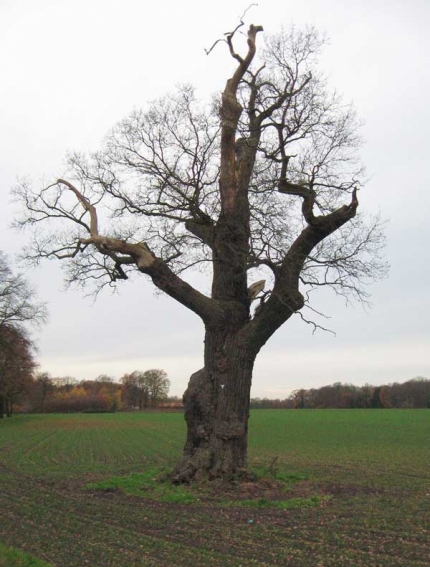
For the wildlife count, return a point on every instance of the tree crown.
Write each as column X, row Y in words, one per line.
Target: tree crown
column 265, row 175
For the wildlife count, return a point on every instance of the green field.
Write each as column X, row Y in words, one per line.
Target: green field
column 357, row 492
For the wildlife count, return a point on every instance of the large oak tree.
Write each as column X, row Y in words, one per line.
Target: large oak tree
column 264, row 177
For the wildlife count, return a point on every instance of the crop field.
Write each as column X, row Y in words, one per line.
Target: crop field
column 352, row 489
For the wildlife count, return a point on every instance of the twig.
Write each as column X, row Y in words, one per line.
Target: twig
column 229, row 35
column 314, row 325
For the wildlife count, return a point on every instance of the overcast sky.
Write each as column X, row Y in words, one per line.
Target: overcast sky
column 70, row 70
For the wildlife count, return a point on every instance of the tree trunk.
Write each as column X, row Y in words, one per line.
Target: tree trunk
column 8, row 404
column 216, row 411
column 1, row 406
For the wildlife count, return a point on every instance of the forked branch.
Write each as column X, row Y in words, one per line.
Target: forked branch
column 229, row 35
column 123, row 252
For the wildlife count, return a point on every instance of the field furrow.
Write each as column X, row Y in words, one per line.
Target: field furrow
column 374, row 509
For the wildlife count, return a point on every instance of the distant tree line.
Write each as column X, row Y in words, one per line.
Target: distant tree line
column 40, row 392
column 24, row 389
column 268, row 403
column 414, row 393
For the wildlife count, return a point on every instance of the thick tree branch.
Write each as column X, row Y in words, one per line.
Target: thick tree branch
column 203, row 230
column 319, row 228
column 231, row 110
column 306, row 193
column 286, row 298
column 86, row 205
column 139, row 254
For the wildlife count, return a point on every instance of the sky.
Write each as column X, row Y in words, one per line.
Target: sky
column 71, row 70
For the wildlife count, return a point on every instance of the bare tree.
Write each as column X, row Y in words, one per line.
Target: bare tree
column 129, row 392
column 136, row 389
column 18, row 305
column 143, row 389
column 158, row 385
column 265, row 177
column 16, row 366
column 18, row 308
column 45, row 387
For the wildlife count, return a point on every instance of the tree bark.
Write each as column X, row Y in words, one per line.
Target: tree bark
column 217, row 411
column 9, row 406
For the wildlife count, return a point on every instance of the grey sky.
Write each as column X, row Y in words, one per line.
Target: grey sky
column 71, row 70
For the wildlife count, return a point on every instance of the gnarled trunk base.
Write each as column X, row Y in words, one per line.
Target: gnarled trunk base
column 216, row 411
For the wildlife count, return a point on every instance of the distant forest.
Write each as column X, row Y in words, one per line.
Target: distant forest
column 42, row 393
column 140, row 390
column 414, row 393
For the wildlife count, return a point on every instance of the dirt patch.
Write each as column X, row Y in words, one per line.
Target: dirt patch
column 351, row 490
column 270, row 490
